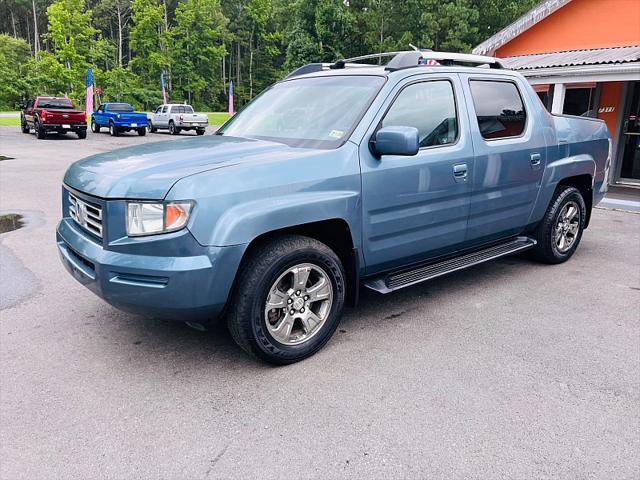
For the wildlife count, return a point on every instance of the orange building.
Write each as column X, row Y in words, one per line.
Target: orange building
column 583, row 58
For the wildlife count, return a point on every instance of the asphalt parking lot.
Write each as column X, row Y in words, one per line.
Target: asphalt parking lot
column 509, row 370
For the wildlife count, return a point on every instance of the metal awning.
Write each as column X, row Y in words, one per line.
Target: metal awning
column 596, row 56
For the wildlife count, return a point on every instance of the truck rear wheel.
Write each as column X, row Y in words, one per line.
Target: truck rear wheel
column 82, row 134
column 40, row 131
column 142, row 131
column 113, row 130
column 288, row 300
column 560, row 230
column 173, row 130
column 200, row 131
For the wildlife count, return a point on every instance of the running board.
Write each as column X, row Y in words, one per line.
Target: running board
column 405, row 277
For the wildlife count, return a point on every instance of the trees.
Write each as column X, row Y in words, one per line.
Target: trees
column 13, row 54
column 149, row 41
column 198, row 47
column 202, row 45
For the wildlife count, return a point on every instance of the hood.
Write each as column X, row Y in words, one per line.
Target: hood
column 149, row 171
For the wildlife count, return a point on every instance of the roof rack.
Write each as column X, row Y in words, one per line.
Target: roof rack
column 318, row 67
column 401, row 60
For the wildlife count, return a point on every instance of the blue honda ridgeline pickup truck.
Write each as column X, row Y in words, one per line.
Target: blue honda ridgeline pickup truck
column 338, row 176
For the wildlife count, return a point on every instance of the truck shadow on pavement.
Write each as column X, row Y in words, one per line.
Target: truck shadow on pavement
column 140, row 338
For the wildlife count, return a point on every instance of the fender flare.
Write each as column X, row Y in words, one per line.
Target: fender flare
column 243, row 223
column 554, row 173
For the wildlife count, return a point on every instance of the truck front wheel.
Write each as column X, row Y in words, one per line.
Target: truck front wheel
column 173, row 130
column 24, row 126
column 560, row 230
column 95, row 128
column 288, row 300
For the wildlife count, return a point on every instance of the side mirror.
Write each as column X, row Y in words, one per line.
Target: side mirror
column 395, row 141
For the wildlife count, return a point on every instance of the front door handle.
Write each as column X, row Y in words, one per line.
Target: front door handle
column 460, row 172
column 536, row 159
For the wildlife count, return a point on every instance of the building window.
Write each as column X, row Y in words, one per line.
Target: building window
column 499, row 109
column 580, row 100
column 545, row 94
column 431, row 108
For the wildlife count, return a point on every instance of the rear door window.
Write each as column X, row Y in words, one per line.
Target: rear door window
column 499, row 109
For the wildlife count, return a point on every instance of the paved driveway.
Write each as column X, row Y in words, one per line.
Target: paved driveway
column 509, row 370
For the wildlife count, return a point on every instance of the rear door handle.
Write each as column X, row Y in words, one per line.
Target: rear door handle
column 460, row 172
column 536, row 159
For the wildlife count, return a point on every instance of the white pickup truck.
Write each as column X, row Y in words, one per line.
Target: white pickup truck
column 177, row 117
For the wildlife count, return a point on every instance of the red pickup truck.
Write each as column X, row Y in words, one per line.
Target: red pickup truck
column 52, row 114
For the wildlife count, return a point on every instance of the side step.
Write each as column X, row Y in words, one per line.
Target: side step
column 405, row 277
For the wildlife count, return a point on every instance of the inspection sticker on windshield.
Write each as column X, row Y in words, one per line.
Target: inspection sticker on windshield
column 336, row 134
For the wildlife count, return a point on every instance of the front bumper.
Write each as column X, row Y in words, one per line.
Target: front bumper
column 185, row 288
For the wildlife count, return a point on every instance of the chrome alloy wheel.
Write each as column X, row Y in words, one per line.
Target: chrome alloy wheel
column 567, row 227
column 298, row 304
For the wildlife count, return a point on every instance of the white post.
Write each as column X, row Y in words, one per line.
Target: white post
column 557, row 104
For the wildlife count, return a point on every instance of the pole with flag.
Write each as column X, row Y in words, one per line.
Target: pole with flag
column 231, row 98
column 89, row 85
column 164, row 90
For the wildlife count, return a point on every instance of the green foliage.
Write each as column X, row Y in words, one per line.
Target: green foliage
column 202, row 45
column 13, row 54
column 198, row 48
column 149, row 41
column 122, row 85
column 47, row 76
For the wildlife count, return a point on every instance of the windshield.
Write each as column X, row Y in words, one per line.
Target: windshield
column 318, row 112
column 120, row 107
column 54, row 103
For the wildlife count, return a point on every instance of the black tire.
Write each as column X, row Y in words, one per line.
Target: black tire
column 173, row 130
column 82, row 134
column 152, row 129
column 142, row 131
column 547, row 249
column 246, row 316
column 95, row 128
column 40, row 131
column 113, row 130
column 24, row 126
column 200, row 131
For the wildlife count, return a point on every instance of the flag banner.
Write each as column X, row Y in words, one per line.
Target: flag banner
column 89, row 85
column 231, row 98
column 164, row 90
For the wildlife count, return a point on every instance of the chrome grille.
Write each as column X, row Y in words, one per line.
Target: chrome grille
column 87, row 215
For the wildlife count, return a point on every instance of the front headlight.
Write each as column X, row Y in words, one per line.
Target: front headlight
column 145, row 218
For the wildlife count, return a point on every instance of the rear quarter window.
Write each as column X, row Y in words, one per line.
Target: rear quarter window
column 499, row 108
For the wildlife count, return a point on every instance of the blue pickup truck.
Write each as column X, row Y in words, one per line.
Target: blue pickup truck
column 340, row 176
column 118, row 118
